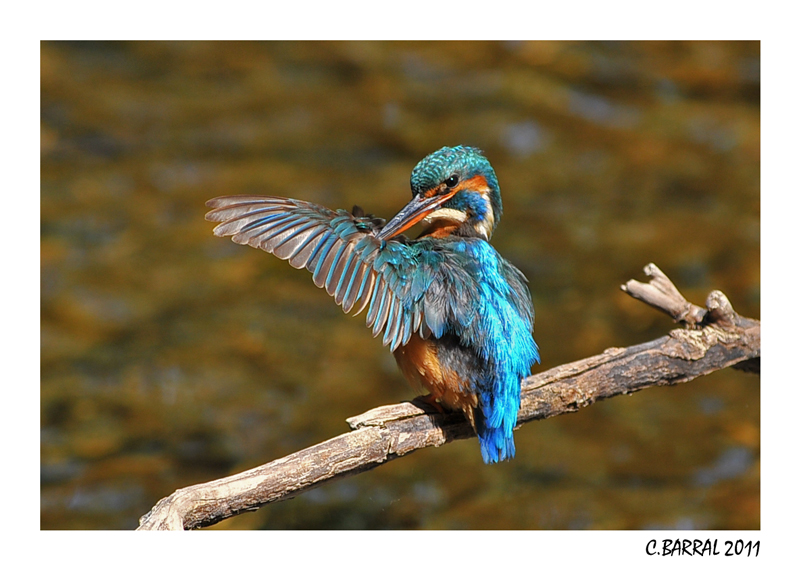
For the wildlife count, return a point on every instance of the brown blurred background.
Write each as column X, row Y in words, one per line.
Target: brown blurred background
column 170, row 357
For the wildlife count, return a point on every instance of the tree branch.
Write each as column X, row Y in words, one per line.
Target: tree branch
column 715, row 337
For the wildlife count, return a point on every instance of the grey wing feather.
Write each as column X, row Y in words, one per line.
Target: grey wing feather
column 340, row 250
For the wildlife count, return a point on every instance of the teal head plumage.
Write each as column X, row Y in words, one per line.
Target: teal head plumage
column 456, row 315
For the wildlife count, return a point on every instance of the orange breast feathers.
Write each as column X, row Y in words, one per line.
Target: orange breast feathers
column 419, row 362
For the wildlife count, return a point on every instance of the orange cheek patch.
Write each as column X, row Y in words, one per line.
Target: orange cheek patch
column 476, row 184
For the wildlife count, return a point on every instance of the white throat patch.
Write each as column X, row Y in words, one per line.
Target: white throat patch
column 483, row 227
column 447, row 214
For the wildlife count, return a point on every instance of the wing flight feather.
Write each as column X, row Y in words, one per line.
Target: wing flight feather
column 340, row 250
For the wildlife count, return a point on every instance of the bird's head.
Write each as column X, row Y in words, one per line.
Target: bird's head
column 456, row 190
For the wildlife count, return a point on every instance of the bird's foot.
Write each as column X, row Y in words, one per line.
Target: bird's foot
column 429, row 400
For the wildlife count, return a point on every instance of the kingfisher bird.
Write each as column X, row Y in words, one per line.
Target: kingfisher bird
column 456, row 315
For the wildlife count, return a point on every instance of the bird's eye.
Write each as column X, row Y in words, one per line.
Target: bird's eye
column 452, row 181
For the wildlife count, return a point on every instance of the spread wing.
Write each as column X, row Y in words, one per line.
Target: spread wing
column 341, row 251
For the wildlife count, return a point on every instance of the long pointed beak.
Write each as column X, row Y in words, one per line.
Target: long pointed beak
column 413, row 213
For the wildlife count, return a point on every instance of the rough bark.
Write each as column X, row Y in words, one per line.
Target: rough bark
column 714, row 337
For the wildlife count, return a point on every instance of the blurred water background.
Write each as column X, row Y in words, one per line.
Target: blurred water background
column 170, row 357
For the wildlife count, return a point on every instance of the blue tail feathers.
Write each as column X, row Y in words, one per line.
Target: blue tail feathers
column 496, row 446
column 496, row 433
